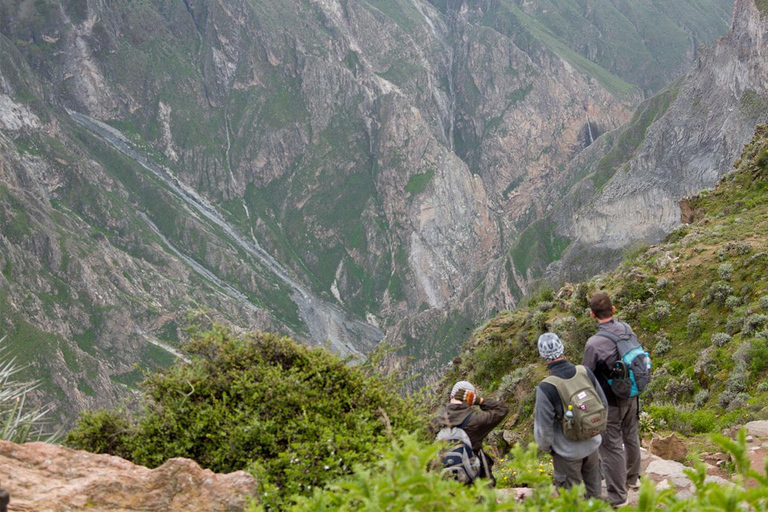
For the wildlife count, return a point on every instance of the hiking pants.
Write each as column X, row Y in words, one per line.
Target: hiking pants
column 620, row 450
column 568, row 473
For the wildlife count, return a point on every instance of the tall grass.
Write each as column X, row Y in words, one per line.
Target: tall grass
column 19, row 422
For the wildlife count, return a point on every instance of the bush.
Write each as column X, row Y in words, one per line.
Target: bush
column 753, row 323
column 719, row 292
column 295, row 416
column 661, row 310
column 701, row 398
column 720, row 339
column 695, row 326
column 763, row 302
column 663, row 345
column 725, row 271
column 732, row 302
column 758, row 356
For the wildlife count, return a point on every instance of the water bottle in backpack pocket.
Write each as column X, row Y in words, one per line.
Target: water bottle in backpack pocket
column 631, row 374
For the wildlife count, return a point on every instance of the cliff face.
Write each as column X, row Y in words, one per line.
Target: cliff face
column 339, row 170
column 695, row 138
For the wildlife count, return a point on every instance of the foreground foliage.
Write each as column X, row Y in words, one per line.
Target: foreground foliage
column 20, row 423
column 295, row 417
column 402, row 481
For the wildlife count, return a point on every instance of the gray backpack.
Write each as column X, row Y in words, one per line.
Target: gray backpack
column 458, row 461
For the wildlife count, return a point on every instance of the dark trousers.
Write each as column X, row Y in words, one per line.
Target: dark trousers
column 568, row 473
column 620, row 450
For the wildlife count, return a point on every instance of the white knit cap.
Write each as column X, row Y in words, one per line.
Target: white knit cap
column 550, row 346
column 462, row 384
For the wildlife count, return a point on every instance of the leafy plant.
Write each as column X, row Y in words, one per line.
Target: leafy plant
column 20, row 423
column 294, row 416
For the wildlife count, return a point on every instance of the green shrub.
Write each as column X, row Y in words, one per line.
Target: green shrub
column 725, row 271
column 720, row 339
column 758, row 356
column 695, row 325
column 402, row 480
column 732, row 302
column 295, row 416
column 763, row 302
column 753, row 323
column 719, row 292
column 661, row 310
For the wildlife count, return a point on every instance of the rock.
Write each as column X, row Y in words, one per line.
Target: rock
column 750, row 439
column 669, row 448
column 757, row 428
column 666, row 472
column 45, row 477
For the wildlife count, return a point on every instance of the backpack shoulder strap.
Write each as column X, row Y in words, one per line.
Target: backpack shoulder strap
column 465, row 421
column 613, row 337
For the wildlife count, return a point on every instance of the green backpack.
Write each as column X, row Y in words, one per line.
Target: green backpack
column 583, row 416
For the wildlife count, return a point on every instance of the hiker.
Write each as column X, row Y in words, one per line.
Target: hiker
column 620, row 448
column 570, row 412
column 476, row 423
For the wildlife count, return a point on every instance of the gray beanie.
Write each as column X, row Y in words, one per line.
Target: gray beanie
column 550, row 346
column 462, row 384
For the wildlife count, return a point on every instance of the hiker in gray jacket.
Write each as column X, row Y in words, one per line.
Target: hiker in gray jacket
column 620, row 449
column 574, row 461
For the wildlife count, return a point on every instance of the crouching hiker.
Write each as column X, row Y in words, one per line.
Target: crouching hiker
column 461, row 423
column 570, row 413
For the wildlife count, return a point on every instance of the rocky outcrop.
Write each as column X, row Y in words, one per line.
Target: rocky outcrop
column 688, row 148
column 45, row 477
column 670, row 447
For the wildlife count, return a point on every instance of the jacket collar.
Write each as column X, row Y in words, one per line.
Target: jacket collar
column 557, row 364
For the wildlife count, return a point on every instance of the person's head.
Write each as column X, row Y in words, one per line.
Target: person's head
column 550, row 347
column 462, row 386
column 601, row 307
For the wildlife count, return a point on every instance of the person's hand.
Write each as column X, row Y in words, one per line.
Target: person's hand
column 468, row 397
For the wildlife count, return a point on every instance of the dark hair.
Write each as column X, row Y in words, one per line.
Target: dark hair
column 601, row 305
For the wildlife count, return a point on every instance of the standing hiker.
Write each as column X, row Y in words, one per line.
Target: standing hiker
column 570, row 413
column 477, row 424
column 611, row 354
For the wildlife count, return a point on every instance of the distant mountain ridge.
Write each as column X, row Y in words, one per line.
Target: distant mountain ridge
column 384, row 154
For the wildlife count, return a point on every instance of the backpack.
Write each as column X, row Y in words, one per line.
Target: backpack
column 459, row 461
column 584, row 416
column 631, row 374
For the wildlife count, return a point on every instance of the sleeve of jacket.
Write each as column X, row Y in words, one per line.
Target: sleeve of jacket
column 598, row 388
column 491, row 413
column 544, row 421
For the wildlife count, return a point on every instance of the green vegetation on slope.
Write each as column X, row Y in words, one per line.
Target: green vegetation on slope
column 697, row 302
column 293, row 416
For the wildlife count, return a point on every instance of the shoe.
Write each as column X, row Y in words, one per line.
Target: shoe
column 622, row 504
column 635, row 486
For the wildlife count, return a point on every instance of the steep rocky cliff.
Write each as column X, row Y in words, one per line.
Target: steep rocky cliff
column 701, row 124
column 334, row 169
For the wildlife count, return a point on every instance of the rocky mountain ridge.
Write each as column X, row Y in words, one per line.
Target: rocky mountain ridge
column 384, row 154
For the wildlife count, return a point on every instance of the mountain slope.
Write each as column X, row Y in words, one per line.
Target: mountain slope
column 696, row 301
column 362, row 165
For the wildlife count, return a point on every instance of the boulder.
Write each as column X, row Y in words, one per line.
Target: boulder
column 45, row 477
column 758, row 428
column 669, row 448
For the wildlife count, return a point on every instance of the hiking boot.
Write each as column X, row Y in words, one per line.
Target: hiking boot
column 634, row 486
column 620, row 505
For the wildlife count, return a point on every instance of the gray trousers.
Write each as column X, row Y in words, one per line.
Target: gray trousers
column 568, row 473
column 620, row 450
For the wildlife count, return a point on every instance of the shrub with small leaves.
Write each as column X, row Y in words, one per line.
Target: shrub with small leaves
column 539, row 322
column 763, row 302
column 753, row 323
column 661, row 310
column 511, row 381
column 695, row 325
column 720, row 339
column 726, row 397
column 297, row 416
column 732, row 302
column 733, row 323
column 546, row 305
column 662, row 282
column 563, row 325
column 701, row 398
column 762, row 387
column 663, row 345
column 738, row 402
column 718, row 293
column 725, row 271
column 679, row 388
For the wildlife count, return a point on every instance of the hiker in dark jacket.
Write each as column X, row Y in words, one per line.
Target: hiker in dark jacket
column 479, row 425
column 620, row 448
column 573, row 461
